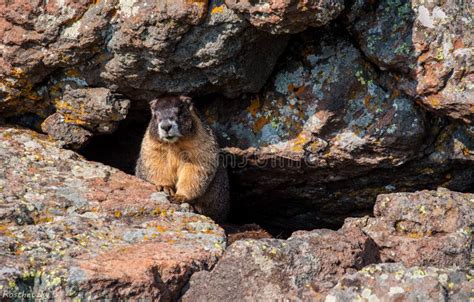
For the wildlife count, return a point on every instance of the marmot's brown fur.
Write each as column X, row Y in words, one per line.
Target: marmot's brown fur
column 180, row 155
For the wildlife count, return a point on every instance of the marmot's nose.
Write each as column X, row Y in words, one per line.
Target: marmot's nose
column 166, row 126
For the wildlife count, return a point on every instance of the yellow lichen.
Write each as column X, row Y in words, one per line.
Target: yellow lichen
column 299, row 142
column 218, row 9
column 160, row 229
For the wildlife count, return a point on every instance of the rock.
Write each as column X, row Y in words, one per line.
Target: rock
column 221, row 53
column 74, row 229
column 395, row 282
column 141, row 49
column 428, row 234
column 83, row 112
column 71, row 135
column 293, row 16
column 326, row 136
column 426, row 228
column 96, row 109
column 428, row 45
column 246, row 231
column 324, row 105
column 305, row 265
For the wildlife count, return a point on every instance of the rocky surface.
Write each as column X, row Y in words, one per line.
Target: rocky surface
column 427, row 47
column 395, row 282
column 277, row 16
column 377, row 101
column 283, row 269
column 323, row 108
column 70, row 228
column 140, row 49
column 428, row 233
column 426, row 228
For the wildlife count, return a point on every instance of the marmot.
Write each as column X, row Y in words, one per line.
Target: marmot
column 180, row 154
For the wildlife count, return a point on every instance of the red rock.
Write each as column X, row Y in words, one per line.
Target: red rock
column 70, row 228
column 426, row 228
column 304, row 266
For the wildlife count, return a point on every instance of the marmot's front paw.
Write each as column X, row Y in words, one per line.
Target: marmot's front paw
column 167, row 189
column 177, row 198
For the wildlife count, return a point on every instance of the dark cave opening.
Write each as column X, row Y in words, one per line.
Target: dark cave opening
column 121, row 149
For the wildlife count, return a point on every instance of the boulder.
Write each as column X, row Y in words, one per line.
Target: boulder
column 277, row 16
column 428, row 48
column 395, row 282
column 82, row 112
column 305, row 265
column 74, row 229
column 426, row 228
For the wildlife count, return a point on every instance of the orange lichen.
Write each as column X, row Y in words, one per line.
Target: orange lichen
column 71, row 120
column 160, row 229
column 395, row 94
column 367, row 100
column 415, row 235
column 300, row 92
column 315, row 146
column 434, row 100
column 259, row 123
column 72, row 73
column 291, row 87
column 17, row 72
column 254, row 107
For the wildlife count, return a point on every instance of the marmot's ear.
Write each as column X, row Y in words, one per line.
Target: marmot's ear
column 188, row 101
column 152, row 106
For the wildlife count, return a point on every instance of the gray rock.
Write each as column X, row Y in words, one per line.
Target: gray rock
column 429, row 48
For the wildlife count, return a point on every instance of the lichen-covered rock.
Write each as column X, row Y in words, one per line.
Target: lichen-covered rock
column 324, row 120
column 139, row 48
column 277, row 16
column 394, row 282
column 428, row 234
column 70, row 228
column 169, row 54
column 304, row 266
column 82, row 112
column 429, row 47
column 325, row 106
column 426, row 228
column 70, row 135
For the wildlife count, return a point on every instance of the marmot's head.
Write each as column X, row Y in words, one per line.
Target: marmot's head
column 171, row 118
